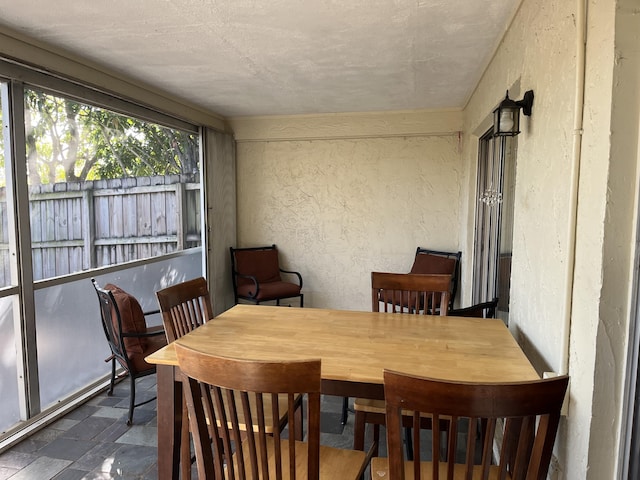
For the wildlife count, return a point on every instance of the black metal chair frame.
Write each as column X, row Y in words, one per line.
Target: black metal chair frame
column 488, row 310
column 116, row 345
column 235, row 275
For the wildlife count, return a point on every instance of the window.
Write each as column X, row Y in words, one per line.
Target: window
column 87, row 182
column 105, row 188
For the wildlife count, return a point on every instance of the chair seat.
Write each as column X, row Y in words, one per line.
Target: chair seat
column 380, row 470
column 153, row 343
column 367, row 405
column 335, row 463
column 270, row 291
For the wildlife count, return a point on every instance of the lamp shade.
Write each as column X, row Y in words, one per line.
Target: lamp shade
column 506, row 118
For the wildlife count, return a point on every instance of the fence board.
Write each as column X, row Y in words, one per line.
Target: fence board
column 83, row 225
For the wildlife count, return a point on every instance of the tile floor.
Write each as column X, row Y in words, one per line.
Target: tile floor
column 93, row 441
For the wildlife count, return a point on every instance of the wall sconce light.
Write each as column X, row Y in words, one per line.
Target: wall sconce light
column 506, row 118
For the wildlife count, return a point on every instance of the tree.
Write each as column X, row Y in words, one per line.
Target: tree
column 72, row 141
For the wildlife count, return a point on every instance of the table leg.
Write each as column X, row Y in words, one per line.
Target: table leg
column 169, row 422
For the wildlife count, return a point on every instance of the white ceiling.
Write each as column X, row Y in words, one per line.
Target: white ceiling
column 270, row 57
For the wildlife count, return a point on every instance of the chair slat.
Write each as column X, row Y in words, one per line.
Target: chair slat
column 240, row 392
column 527, row 412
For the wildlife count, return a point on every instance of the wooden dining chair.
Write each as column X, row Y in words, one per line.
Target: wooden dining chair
column 398, row 293
column 227, row 391
column 519, row 421
column 184, row 307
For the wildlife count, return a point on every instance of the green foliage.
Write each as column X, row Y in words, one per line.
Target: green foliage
column 71, row 141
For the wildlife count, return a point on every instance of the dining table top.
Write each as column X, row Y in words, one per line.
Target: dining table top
column 356, row 346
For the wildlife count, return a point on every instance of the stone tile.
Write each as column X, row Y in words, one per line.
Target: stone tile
column 140, row 435
column 95, row 457
column 67, row 448
column 89, row 428
column 70, row 474
column 29, row 445
column 42, row 468
column 110, row 412
column 65, row 424
column 6, row 472
column 15, row 459
column 46, row 435
column 105, row 401
column 128, row 461
column 112, row 433
column 331, row 423
column 81, row 412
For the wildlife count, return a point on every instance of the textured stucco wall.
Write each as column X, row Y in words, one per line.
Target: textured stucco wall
column 339, row 208
column 538, row 53
column 548, row 298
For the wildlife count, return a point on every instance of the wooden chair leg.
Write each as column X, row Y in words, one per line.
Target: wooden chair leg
column 185, row 444
column 376, row 439
column 358, row 431
column 345, row 410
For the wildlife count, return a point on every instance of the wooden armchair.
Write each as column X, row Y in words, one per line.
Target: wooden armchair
column 517, row 420
column 128, row 336
column 256, row 276
column 226, row 391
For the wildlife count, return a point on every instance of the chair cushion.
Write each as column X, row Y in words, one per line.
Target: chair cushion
column 132, row 318
column 262, row 264
column 151, row 344
column 427, row 263
column 270, row 291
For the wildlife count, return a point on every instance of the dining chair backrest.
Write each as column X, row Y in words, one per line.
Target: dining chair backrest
column 519, row 419
column 225, row 391
column 184, row 306
column 410, row 293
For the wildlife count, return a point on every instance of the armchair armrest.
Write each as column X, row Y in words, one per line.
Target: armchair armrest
column 254, row 280
column 151, row 332
column 294, row 273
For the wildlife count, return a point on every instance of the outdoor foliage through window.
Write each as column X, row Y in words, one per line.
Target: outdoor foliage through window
column 104, row 188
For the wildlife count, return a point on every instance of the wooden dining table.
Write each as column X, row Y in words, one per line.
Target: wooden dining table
column 354, row 347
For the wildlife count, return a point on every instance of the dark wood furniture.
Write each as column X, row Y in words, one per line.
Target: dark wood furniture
column 129, row 338
column 519, row 420
column 228, row 391
column 398, row 293
column 467, row 349
column 185, row 307
column 256, row 276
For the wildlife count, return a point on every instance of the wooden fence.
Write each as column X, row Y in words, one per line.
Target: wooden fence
column 82, row 225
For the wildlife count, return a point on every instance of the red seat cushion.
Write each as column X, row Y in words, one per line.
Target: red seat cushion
column 269, row 291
